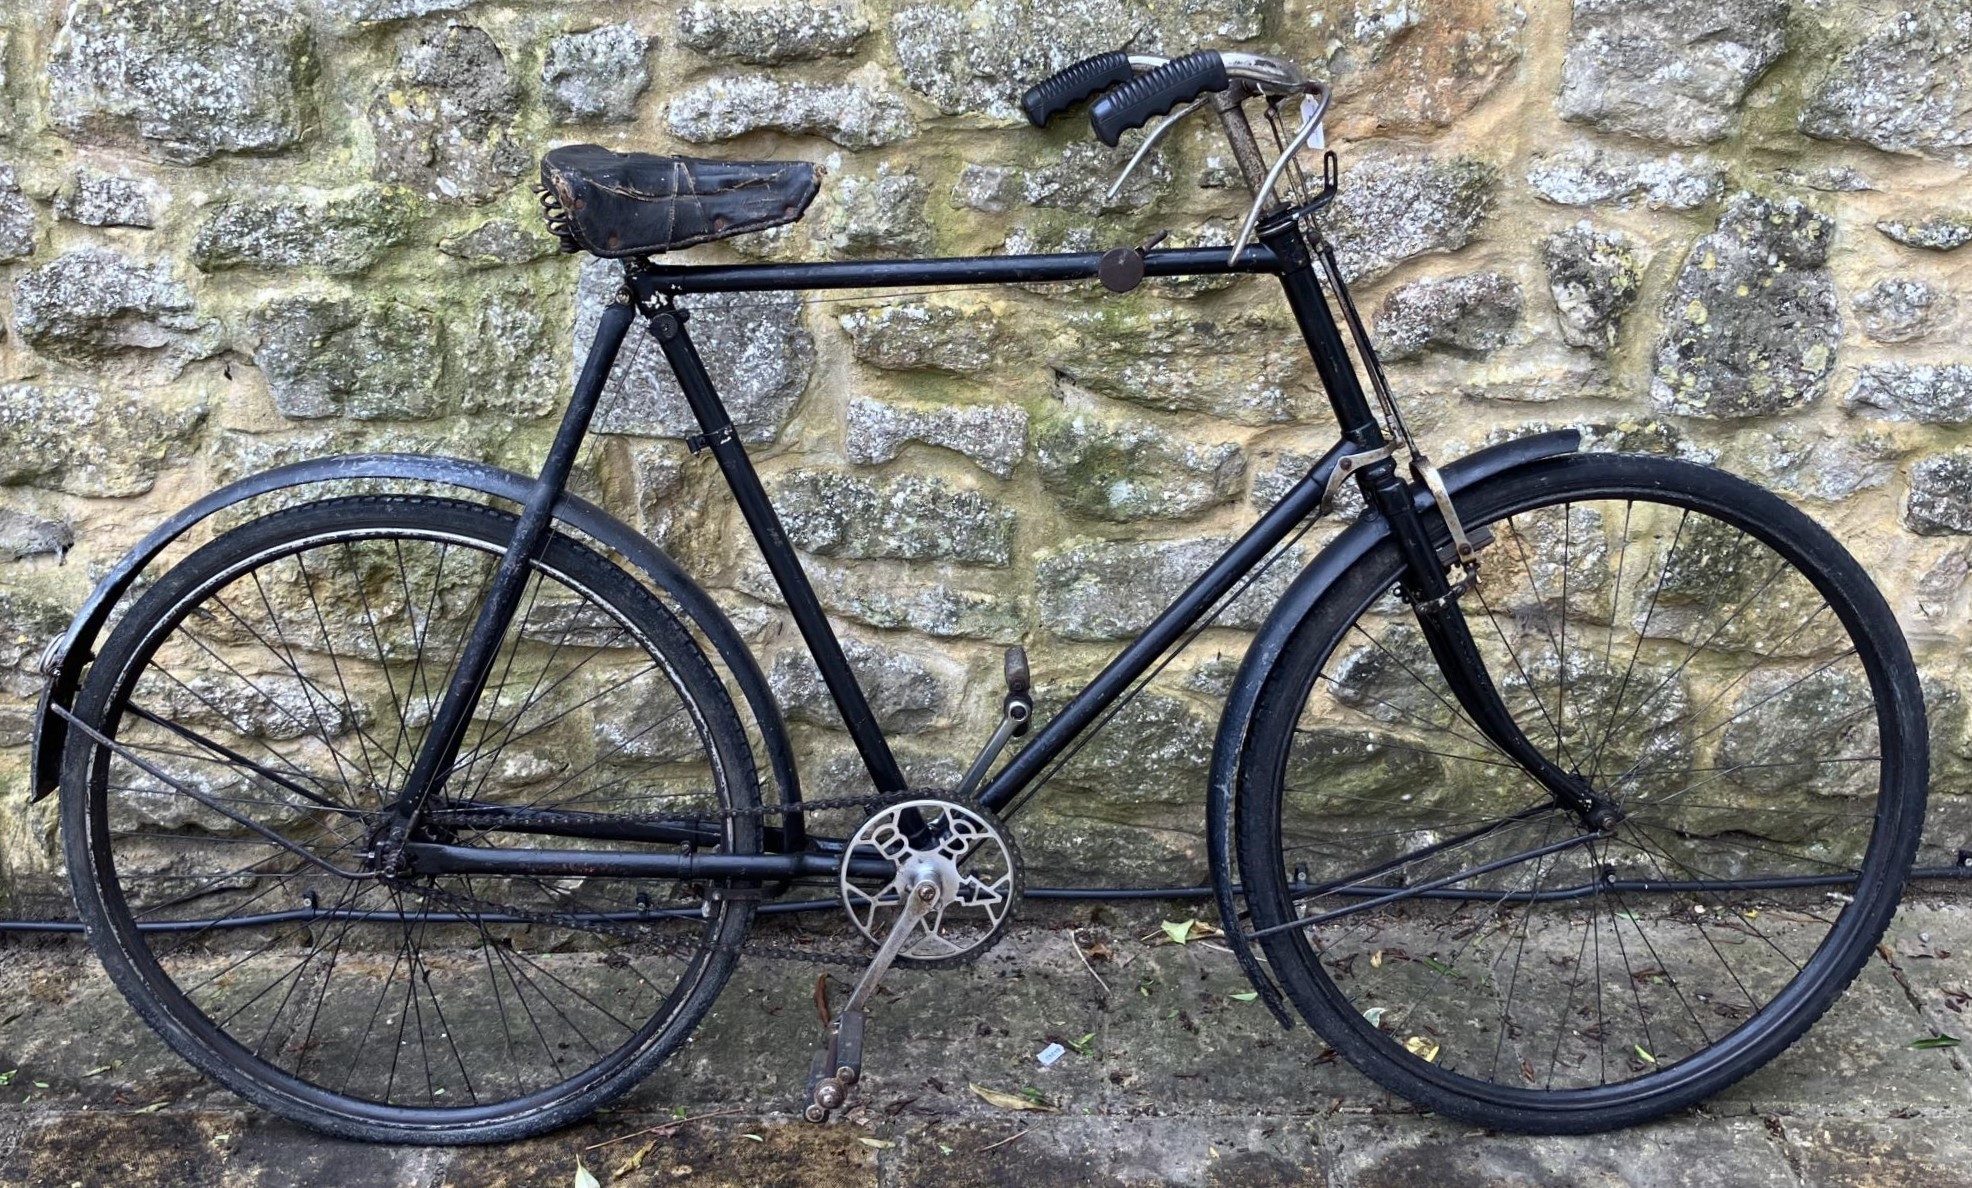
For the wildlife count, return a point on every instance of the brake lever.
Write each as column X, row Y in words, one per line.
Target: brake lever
column 1311, row 124
column 1149, row 141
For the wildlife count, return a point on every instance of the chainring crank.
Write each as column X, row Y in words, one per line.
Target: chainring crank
column 974, row 860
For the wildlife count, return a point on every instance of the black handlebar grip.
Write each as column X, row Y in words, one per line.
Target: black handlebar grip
column 1072, row 84
column 1175, row 82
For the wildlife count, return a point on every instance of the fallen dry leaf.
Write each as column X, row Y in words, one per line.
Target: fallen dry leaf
column 635, row 1161
column 1008, row 1101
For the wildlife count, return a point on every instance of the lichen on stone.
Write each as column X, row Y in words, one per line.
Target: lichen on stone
column 993, row 436
column 1473, row 314
column 860, row 113
column 1670, row 70
column 771, row 34
column 444, row 126
column 342, row 232
column 596, row 77
column 1594, row 277
column 1125, row 470
column 1752, row 325
column 183, row 80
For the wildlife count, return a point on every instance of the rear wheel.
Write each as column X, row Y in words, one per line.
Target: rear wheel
column 1701, row 653
column 266, row 698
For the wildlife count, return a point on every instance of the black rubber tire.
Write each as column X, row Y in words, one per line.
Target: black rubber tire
column 1846, row 948
column 159, row 1000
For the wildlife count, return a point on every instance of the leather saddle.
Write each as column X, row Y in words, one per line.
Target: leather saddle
column 637, row 204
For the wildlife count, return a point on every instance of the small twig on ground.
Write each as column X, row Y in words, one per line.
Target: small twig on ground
column 1003, row 1142
column 663, row 1128
column 1087, row 964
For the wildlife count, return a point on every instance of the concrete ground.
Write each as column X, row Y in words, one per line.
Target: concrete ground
column 1181, row 1084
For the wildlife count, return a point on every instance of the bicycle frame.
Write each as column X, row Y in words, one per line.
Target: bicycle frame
column 1284, row 251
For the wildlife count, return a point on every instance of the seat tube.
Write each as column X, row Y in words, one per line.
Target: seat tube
column 667, row 325
column 509, row 582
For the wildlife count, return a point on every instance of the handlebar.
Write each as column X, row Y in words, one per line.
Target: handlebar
column 1176, row 82
column 1073, row 84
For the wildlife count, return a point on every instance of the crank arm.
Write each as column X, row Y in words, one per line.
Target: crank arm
column 839, row 1064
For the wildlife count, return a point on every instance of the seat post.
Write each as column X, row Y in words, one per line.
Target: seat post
column 440, row 749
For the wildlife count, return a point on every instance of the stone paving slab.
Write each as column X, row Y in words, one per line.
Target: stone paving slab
column 1181, row 1083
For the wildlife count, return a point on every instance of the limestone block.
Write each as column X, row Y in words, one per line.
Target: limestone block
column 444, row 124
column 24, row 534
column 921, row 336
column 1928, row 393
column 367, row 358
column 94, row 306
column 1670, row 70
column 17, row 222
column 1752, row 322
column 1113, row 589
column 596, row 77
column 85, row 442
column 1080, row 178
column 755, row 347
column 994, row 436
column 499, row 242
column 908, row 693
column 1245, row 366
column 1594, row 176
column 1938, row 232
column 106, row 200
column 1472, row 314
column 1594, row 277
column 342, row 232
column 771, row 34
column 1903, row 84
column 1126, row 469
column 909, row 517
column 861, row 113
column 1416, row 65
column 183, row 80
column 1940, row 502
column 880, row 214
column 1899, row 309
column 1395, row 204
column 939, row 600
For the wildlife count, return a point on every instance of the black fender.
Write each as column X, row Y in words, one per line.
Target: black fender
column 1344, row 551
column 64, row 661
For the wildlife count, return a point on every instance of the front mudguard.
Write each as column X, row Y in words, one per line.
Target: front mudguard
column 66, row 659
column 1344, row 551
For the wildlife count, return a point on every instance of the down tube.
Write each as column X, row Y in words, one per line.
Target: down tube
column 1239, row 560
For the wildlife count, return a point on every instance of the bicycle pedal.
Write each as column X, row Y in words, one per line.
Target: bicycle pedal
column 836, row 1068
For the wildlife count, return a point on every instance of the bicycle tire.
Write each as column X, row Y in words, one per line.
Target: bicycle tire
column 551, row 951
column 1441, row 1063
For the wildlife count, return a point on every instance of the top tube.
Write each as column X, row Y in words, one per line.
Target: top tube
column 648, row 280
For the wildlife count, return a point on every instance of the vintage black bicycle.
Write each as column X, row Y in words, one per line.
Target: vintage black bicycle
column 1559, row 790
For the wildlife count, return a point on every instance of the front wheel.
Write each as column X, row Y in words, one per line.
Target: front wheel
column 266, row 700
column 1702, row 654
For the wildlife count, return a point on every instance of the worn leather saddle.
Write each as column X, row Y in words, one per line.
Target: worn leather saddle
column 638, row 204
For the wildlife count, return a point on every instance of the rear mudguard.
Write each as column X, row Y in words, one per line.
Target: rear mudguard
column 66, row 658
column 1344, row 551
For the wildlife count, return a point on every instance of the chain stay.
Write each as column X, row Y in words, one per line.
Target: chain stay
column 643, row 933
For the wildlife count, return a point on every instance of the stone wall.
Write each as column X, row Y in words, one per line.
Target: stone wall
column 235, row 232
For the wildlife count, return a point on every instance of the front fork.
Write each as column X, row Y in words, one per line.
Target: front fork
column 1434, row 601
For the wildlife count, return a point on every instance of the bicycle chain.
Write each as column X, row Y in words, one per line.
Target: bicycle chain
column 645, row 935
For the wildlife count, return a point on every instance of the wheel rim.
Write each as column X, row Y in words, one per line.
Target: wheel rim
column 431, row 1001
column 1513, row 994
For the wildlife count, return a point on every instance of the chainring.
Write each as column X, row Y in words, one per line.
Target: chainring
column 978, row 868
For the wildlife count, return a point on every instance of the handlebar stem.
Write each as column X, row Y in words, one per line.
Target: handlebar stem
column 1239, row 133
